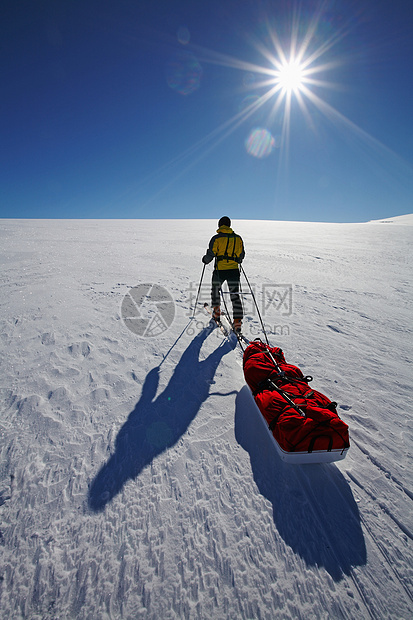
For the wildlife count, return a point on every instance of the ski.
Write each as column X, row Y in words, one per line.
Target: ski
column 219, row 324
column 242, row 338
column 226, row 327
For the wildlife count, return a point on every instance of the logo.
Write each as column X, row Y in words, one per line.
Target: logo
column 277, row 297
column 148, row 310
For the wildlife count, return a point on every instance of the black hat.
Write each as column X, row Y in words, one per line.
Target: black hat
column 224, row 221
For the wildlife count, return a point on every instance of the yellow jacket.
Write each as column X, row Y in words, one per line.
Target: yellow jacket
column 227, row 248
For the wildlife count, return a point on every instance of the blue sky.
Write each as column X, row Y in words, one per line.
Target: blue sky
column 159, row 109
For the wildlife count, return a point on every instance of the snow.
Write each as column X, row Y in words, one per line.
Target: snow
column 136, row 477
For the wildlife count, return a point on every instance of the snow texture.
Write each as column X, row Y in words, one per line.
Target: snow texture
column 136, row 478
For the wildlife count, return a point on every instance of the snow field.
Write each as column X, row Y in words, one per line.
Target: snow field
column 136, row 477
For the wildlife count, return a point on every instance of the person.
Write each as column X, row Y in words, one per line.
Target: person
column 227, row 248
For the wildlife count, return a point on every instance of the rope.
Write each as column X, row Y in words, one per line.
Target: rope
column 256, row 305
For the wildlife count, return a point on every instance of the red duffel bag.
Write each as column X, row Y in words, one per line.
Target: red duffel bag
column 300, row 418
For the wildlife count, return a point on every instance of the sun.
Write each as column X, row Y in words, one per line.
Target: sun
column 285, row 83
column 290, row 76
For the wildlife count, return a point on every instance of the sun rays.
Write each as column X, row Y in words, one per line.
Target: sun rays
column 292, row 69
column 288, row 73
column 286, row 84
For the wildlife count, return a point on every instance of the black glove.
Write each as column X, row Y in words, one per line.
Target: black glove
column 206, row 259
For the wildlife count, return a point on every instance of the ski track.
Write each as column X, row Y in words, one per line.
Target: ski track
column 137, row 477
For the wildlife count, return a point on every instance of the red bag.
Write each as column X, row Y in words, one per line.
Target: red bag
column 301, row 419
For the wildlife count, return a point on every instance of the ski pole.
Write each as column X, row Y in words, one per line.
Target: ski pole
column 199, row 289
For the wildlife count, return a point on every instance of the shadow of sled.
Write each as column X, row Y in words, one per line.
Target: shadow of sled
column 314, row 509
column 157, row 424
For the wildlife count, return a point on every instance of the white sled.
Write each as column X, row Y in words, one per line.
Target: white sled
column 302, row 458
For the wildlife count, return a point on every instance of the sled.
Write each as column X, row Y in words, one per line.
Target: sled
column 303, row 457
column 316, row 456
column 303, row 423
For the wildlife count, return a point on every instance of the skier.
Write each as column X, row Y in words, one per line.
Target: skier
column 227, row 248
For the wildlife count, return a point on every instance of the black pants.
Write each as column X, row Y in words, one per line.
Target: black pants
column 232, row 277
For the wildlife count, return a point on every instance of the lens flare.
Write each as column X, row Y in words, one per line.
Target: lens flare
column 183, row 35
column 260, row 143
column 184, row 73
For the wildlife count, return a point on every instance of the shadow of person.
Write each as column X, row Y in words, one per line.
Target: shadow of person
column 314, row 510
column 156, row 425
